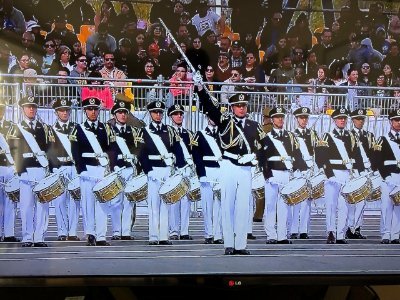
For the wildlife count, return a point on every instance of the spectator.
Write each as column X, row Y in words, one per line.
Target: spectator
column 78, row 13
column 298, row 58
column 101, row 35
column 156, row 35
column 365, row 75
column 76, row 51
column 353, row 90
column 223, row 68
column 96, row 89
column 227, row 89
column 62, row 88
column 252, row 71
column 14, row 19
column 283, row 74
column 225, row 44
column 126, row 16
column 61, row 60
column 124, row 60
column 60, row 30
column 28, row 45
column 325, row 50
column 209, row 79
column 271, row 58
column 301, row 30
column 97, row 61
column 272, row 32
column 311, row 66
column 390, row 76
column 80, row 70
column 177, row 80
column 373, row 56
column 323, row 79
column 241, row 12
column 197, row 56
column 209, row 44
column 380, row 84
column 109, row 71
column 162, row 9
column 107, row 15
column 206, row 19
column 237, row 59
column 23, row 63
column 46, row 11
column 49, row 55
column 393, row 57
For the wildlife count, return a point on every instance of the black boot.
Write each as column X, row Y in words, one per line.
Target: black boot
column 357, row 234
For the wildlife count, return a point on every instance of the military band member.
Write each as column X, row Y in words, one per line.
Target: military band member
column 91, row 144
column 179, row 213
column 160, row 147
column 281, row 157
column 366, row 142
column 386, row 158
column 339, row 155
column 126, row 151
column 29, row 142
column 207, row 156
column 260, row 202
column 307, row 141
column 60, row 154
column 7, row 170
column 241, row 141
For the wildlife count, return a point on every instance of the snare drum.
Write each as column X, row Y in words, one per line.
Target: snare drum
column 109, row 187
column 74, row 188
column 357, row 190
column 49, row 188
column 173, row 189
column 12, row 189
column 194, row 191
column 136, row 189
column 376, row 192
column 395, row 195
column 258, row 186
column 296, row 191
column 318, row 186
column 216, row 191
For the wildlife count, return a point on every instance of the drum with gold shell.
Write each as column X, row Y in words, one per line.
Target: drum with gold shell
column 74, row 188
column 49, row 188
column 136, row 189
column 296, row 191
column 258, row 186
column 395, row 195
column 173, row 189
column 109, row 187
column 12, row 189
column 357, row 189
column 194, row 190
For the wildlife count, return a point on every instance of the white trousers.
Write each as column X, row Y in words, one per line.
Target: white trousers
column 157, row 208
column 276, row 210
column 211, row 206
column 34, row 215
column 355, row 215
column 7, row 207
column 235, row 203
column 179, row 215
column 390, row 214
column 336, row 205
column 127, row 207
column 300, row 217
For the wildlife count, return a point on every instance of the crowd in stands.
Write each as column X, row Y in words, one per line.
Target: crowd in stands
column 360, row 47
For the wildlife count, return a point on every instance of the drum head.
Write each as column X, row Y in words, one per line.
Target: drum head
column 170, row 184
column 354, row 185
column 194, row 183
column 46, row 182
column 293, row 186
column 74, row 184
column 12, row 185
column 394, row 191
column 104, row 182
column 136, row 183
column 317, row 179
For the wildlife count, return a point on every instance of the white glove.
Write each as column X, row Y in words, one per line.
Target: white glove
column 364, row 173
column 356, row 173
column 116, row 168
column 152, row 175
column 198, row 79
column 246, row 158
column 189, row 161
column 56, row 170
column 203, row 179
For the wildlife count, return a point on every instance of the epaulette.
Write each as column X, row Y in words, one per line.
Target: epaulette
column 194, row 141
column 261, row 132
column 138, row 137
column 173, row 135
column 225, row 116
column 110, row 133
column 323, row 142
column 293, row 140
column 352, row 140
column 377, row 146
column 52, row 138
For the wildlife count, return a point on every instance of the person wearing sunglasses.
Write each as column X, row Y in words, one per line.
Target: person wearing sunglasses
column 49, row 55
column 228, row 89
column 109, row 71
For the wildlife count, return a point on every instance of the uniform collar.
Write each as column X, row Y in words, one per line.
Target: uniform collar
column 62, row 123
column 27, row 121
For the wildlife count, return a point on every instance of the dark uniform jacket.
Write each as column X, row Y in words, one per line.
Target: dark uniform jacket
column 201, row 148
column 5, row 126
column 292, row 148
column 367, row 140
column 230, row 138
column 326, row 150
column 383, row 152
column 19, row 146
column 80, row 144
column 57, row 153
column 171, row 141
column 310, row 137
column 131, row 139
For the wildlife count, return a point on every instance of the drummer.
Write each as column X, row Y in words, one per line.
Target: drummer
column 29, row 141
column 91, row 144
column 307, row 141
column 159, row 149
column 60, row 154
column 207, row 157
column 7, row 207
column 386, row 157
column 179, row 212
column 281, row 157
column 241, row 141
column 126, row 150
column 366, row 142
column 338, row 153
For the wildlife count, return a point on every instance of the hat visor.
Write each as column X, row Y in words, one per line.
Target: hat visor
column 302, row 114
column 176, row 110
column 118, row 109
column 358, row 116
column 276, row 115
column 156, row 109
column 62, row 106
column 238, row 102
column 394, row 117
column 340, row 115
column 28, row 103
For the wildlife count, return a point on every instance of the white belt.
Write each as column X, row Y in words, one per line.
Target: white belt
column 341, row 162
column 391, row 162
column 93, row 155
column 125, row 156
column 64, row 159
column 160, row 157
column 30, row 154
column 211, row 158
column 280, row 158
column 231, row 155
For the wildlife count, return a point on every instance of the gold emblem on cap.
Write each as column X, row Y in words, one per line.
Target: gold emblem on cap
column 122, row 104
column 279, row 110
column 360, row 111
column 304, row 109
column 241, row 97
column 92, row 101
column 158, row 104
column 63, row 102
column 177, row 106
column 398, row 112
column 31, row 99
column 342, row 110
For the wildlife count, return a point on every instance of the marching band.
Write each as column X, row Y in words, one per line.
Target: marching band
column 85, row 169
